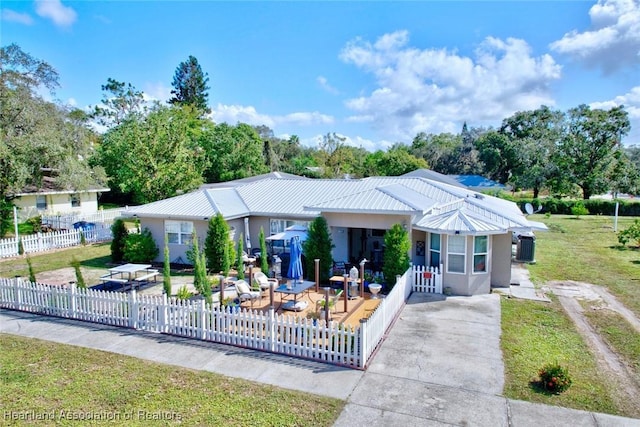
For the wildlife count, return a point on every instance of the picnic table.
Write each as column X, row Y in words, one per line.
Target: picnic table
column 130, row 275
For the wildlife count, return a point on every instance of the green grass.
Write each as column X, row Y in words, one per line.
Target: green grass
column 43, row 377
column 587, row 250
column 91, row 256
column 536, row 333
column 619, row 335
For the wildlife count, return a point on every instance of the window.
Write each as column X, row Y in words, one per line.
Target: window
column 179, row 232
column 75, row 200
column 279, row 225
column 434, row 250
column 41, row 203
column 456, row 249
column 480, row 252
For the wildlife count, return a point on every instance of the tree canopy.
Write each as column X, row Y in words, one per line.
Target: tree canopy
column 190, row 85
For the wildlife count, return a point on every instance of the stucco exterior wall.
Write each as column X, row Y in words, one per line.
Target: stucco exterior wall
column 501, row 260
column 468, row 283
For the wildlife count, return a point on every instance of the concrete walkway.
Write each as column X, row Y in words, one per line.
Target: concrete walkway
column 441, row 365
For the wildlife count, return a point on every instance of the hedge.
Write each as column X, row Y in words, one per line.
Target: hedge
column 594, row 206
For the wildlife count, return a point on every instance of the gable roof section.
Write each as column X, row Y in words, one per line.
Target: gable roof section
column 199, row 204
column 459, row 221
column 49, row 185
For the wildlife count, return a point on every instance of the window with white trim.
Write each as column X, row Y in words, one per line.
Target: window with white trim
column 75, row 200
column 178, row 232
column 456, row 254
column 41, row 203
column 434, row 250
column 480, row 253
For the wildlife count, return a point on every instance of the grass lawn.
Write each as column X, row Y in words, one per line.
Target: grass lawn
column 587, row 250
column 536, row 333
column 90, row 256
column 43, row 377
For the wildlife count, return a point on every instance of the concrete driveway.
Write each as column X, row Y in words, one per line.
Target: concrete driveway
column 441, row 365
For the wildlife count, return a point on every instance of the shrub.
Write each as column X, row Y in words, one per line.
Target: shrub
column 264, row 258
column 83, row 239
column 555, row 378
column 35, row 223
column 579, row 209
column 216, row 245
column 140, row 247
column 32, row 274
column 166, row 267
column 239, row 260
column 630, row 234
column 318, row 246
column 396, row 255
column 120, row 234
column 79, row 278
column 183, row 293
column 20, row 247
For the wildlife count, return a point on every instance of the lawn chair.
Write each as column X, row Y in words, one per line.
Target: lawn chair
column 262, row 282
column 245, row 293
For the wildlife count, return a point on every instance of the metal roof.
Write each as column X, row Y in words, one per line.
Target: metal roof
column 435, row 206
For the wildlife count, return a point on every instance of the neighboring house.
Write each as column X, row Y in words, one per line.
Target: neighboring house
column 469, row 233
column 49, row 198
column 479, row 183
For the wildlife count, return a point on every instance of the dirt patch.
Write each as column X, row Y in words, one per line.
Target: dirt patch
column 570, row 294
column 65, row 275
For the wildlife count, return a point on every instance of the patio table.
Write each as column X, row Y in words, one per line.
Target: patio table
column 295, row 289
column 130, row 270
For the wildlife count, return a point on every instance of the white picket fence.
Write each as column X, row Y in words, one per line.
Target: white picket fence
column 427, row 279
column 65, row 221
column 285, row 334
column 41, row 242
column 266, row 331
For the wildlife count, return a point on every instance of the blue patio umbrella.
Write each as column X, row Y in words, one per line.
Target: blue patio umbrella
column 295, row 266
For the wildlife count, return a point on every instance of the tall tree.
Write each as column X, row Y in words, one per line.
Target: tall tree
column 533, row 139
column 233, row 152
column 190, row 85
column 586, row 151
column 119, row 101
column 37, row 134
column 154, row 157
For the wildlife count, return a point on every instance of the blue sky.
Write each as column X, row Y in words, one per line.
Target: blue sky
column 375, row 72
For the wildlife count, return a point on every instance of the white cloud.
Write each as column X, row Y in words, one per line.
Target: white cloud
column 324, row 84
column 13, row 16
column 62, row 16
column 157, row 91
column 631, row 102
column 233, row 114
column 435, row 90
column 613, row 41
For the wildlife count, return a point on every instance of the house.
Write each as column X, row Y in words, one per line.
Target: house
column 51, row 198
column 468, row 233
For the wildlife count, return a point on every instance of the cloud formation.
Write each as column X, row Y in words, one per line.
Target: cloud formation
column 631, row 102
column 614, row 39
column 62, row 16
column 233, row 114
column 435, row 90
column 324, row 84
column 13, row 16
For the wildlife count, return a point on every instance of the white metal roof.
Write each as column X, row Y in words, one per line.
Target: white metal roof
column 435, row 206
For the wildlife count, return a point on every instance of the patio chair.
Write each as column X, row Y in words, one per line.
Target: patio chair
column 245, row 293
column 262, row 282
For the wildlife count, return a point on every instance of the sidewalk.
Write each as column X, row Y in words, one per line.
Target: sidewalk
column 441, row 365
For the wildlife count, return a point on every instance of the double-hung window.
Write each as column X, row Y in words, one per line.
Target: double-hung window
column 480, row 253
column 434, row 250
column 178, row 232
column 41, row 203
column 456, row 254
